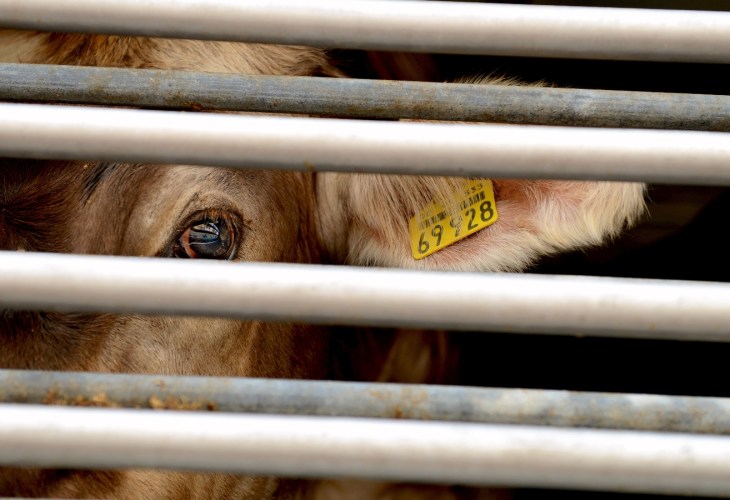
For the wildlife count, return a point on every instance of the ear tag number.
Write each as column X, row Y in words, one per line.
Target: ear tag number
column 437, row 227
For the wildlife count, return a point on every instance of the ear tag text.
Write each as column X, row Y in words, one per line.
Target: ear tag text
column 437, row 227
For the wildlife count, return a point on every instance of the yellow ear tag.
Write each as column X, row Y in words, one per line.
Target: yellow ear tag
column 437, row 227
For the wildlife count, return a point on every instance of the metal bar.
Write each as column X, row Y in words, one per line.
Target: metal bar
column 362, row 98
column 447, row 27
column 318, row 144
column 371, row 400
column 377, row 297
column 439, row 452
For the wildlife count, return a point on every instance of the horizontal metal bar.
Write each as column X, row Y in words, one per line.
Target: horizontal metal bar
column 319, row 144
column 448, row 27
column 378, row 297
column 362, row 98
column 372, row 400
column 449, row 452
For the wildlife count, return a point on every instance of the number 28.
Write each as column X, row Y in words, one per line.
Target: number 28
column 487, row 212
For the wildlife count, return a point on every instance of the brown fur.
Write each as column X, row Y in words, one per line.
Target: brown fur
column 115, row 209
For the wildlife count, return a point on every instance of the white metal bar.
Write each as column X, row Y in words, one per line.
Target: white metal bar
column 316, row 144
column 461, row 453
column 449, row 27
column 341, row 295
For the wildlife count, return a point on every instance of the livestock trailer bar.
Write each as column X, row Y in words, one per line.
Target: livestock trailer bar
column 371, row 400
column 447, row 27
column 363, row 296
column 318, row 144
column 433, row 452
column 362, row 98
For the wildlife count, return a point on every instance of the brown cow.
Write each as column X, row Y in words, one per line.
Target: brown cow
column 193, row 212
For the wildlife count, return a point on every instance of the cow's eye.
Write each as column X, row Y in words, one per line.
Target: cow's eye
column 208, row 238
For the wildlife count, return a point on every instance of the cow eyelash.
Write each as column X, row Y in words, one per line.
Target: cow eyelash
column 211, row 234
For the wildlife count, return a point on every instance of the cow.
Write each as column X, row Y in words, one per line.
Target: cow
column 177, row 211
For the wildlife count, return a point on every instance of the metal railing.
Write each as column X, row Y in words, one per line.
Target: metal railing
column 448, row 27
column 469, row 444
column 362, row 296
column 698, row 415
column 430, row 452
column 319, row 144
column 344, row 97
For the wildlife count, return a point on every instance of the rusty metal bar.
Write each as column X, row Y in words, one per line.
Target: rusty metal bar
column 331, row 447
column 371, row 400
column 320, row 144
column 447, row 27
column 362, row 98
column 361, row 296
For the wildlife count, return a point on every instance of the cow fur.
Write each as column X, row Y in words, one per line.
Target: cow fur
column 108, row 208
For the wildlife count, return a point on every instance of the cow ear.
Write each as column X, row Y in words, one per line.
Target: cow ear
column 367, row 219
column 389, row 220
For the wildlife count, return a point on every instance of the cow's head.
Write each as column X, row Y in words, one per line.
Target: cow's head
column 244, row 215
